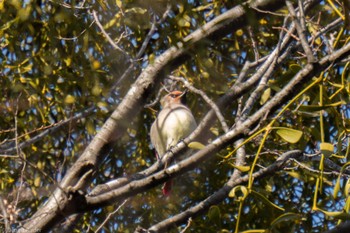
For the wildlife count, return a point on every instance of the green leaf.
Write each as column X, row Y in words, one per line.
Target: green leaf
column 286, row 217
column 265, row 200
column 214, row 214
column 288, row 134
column 314, row 108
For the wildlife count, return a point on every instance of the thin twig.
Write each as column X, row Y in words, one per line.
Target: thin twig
column 76, row 37
column 19, row 151
column 286, row 30
column 255, row 45
column 81, row 7
column 268, row 12
column 151, row 31
column 110, row 215
column 206, row 99
column 142, row 49
column 106, row 34
column 5, row 215
column 156, row 100
column 301, row 33
column 187, row 226
column 47, row 130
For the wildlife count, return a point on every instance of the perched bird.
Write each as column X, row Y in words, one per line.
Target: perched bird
column 174, row 122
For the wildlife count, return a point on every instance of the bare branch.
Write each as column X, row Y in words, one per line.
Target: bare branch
column 5, row 215
column 301, row 32
column 222, row 193
column 47, row 130
column 94, row 14
column 110, row 215
column 139, row 185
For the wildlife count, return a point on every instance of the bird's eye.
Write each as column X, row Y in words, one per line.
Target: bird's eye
column 173, row 96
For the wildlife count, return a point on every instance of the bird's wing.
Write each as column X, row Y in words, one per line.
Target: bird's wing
column 156, row 140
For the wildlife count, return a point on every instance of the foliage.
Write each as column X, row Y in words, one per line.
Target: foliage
column 62, row 78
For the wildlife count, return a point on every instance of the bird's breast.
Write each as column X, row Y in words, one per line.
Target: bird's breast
column 177, row 123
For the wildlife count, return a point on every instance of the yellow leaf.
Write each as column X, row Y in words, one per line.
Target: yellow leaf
column 240, row 188
column 265, row 200
column 37, row 181
column 196, row 145
column 68, row 61
column 295, row 175
column 263, row 21
column 288, row 134
column 347, row 188
column 96, row 65
column 136, row 10
column 239, row 32
column 336, row 214
column 40, row 165
column 183, row 23
column 2, row 6
column 242, row 168
column 209, row 63
column 256, row 231
column 215, row 131
column 265, row 96
column 96, row 90
column 205, row 74
column 102, row 104
column 237, row 45
column 202, row 8
column 119, row 3
column 151, row 58
column 10, row 180
column 327, row 148
column 316, row 108
column 22, row 79
column 90, row 127
column 69, row 99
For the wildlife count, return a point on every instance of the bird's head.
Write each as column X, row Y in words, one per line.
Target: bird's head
column 174, row 97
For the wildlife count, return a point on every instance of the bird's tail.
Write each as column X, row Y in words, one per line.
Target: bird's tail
column 166, row 189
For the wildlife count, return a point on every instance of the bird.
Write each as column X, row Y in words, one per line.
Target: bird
column 174, row 122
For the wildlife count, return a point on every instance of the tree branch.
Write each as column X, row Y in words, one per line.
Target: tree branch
column 222, row 193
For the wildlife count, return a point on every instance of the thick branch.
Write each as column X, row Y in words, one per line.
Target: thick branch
column 137, row 186
column 116, row 125
column 222, row 193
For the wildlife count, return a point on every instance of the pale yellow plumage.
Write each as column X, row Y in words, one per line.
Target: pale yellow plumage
column 174, row 122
